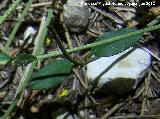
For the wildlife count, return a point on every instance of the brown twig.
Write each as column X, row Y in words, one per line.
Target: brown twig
column 119, row 105
column 66, row 55
column 79, row 78
column 86, row 98
column 112, row 110
column 136, row 117
column 69, row 41
column 147, row 83
column 155, row 77
column 43, row 4
column 4, row 83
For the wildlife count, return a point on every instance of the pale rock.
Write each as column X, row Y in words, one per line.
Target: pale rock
column 50, row 97
column 29, row 31
column 76, row 15
column 125, row 72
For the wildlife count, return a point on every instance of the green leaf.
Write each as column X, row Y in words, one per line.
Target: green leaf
column 23, row 59
column 115, row 47
column 47, row 83
column 4, row 58
column 51, row 75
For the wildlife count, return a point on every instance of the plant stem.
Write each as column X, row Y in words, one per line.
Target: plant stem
column 70, row 45
column 28, row 72
column 9, row 11
column 107, row 41
column 66, row 55
column 15, row 29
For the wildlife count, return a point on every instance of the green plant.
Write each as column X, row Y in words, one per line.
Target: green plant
column 9, row 11
column 52, row 74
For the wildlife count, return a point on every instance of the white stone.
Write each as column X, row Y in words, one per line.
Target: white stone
column 29, row 31
column 133, row 66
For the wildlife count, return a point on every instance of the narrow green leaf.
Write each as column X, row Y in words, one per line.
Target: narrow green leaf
column 54, row 68
column 51, row 75
column 4, row 58
column 115, row 47
column 47, row 83
column 23, row 59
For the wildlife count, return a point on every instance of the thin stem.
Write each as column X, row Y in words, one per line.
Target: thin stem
column 28, row 72
column 9, row 11
column 79, row 78
column 107, row 41
column 70, row 45
column 145, row 93
column 67, row 56
column 15, row 29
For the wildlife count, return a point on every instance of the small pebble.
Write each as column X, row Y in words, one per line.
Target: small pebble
column 76, row 16
column 2, row 94
column 29, row 31
column 50, row 97
column 34, row 109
